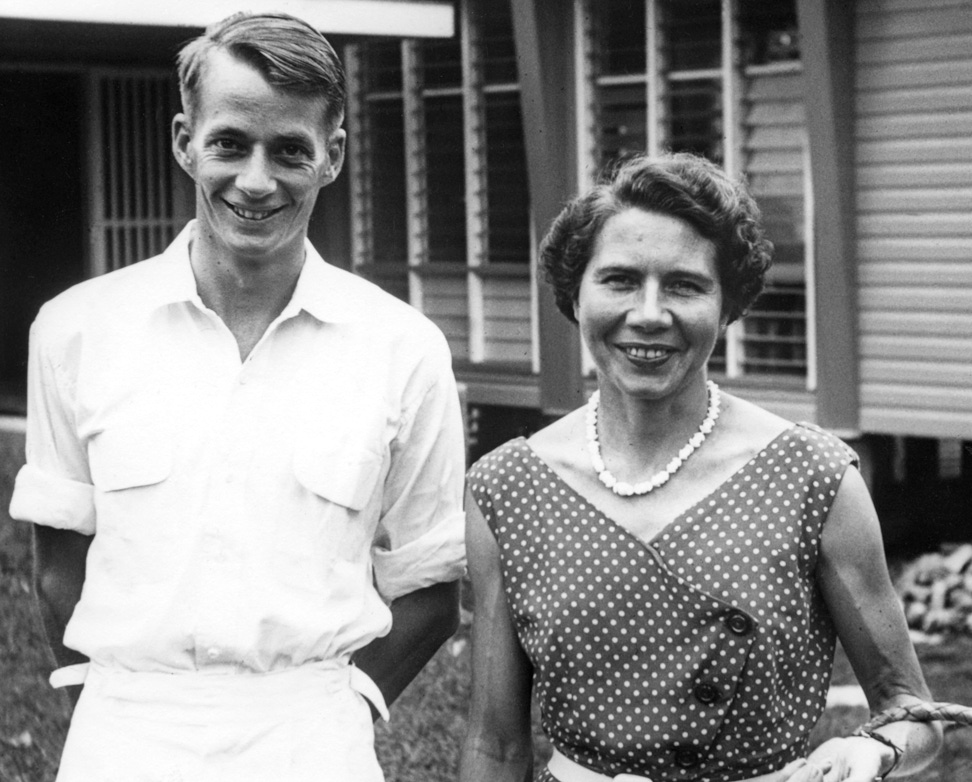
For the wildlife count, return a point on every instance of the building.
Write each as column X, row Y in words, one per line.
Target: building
column 852, row 120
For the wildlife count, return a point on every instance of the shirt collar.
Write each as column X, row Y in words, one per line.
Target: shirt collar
column 329, row 294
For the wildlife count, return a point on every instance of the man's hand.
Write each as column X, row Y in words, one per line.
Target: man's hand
column 421, row 622
column 59, row 570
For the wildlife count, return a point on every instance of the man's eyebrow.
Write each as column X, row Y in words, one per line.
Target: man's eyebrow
column 223, row 130
column 299, row 138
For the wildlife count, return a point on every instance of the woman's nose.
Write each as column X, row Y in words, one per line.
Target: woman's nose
column 649, row 308
column 256, row 179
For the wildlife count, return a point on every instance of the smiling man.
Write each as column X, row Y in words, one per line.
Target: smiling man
column 244, row 465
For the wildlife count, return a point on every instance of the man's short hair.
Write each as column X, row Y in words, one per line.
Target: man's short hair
column 288, row 52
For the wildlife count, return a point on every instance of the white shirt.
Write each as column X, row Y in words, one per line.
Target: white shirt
column 247, row 515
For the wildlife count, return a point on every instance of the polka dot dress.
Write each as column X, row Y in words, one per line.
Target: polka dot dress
column 704, row 654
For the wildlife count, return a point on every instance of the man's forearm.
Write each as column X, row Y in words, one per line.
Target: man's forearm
column 421, row 622
column 59, row 570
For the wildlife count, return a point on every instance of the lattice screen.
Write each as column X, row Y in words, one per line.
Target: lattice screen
column 139, row 199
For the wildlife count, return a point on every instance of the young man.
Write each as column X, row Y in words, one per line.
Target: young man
column 244, row 465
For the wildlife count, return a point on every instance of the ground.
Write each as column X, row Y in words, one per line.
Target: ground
column 420, row 744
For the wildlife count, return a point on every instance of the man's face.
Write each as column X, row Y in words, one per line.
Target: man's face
column 259, row 157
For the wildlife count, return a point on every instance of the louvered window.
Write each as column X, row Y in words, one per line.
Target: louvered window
column 720, row 78
column 440, row 82
column 455, row 209
column 376, row 151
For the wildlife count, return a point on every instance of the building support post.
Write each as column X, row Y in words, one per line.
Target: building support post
column 544, row 36
column 827, row 32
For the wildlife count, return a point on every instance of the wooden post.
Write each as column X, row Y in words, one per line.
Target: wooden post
column 827, row 33
column 544, row 35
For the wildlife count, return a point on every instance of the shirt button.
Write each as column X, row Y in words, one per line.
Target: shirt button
column 707, row 693
column 212, row 652
column 686, row 757
column 739, row 623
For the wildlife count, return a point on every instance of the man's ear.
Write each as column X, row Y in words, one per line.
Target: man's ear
column 181, row 138
column 335, row 157
column 723, row 325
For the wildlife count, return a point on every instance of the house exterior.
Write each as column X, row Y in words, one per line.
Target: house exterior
column 851, row 119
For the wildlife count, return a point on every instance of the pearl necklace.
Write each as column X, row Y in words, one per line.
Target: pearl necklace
column 625, row 489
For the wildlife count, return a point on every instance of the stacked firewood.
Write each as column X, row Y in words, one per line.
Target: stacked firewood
column 936, row 590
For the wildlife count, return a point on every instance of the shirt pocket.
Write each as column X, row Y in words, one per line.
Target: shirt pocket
column 345, row 475
column 128, row 457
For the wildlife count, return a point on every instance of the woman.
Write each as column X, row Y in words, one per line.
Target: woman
column 670, row 565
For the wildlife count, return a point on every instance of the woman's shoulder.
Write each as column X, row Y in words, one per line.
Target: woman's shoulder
column 509, row 457
column 757, row 429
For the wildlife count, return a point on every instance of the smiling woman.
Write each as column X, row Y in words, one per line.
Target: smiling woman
column 649, row 304
column 671, row 568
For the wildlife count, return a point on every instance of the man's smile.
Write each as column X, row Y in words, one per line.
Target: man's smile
column 253, row 214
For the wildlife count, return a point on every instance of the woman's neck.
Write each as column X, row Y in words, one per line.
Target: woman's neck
column 639, row 434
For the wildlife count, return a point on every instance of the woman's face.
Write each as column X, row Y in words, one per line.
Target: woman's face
column 650, row 304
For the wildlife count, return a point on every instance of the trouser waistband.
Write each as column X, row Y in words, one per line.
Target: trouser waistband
column 339, row 671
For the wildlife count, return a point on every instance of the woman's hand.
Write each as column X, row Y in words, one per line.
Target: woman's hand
column 800, row 770
column 852, row 759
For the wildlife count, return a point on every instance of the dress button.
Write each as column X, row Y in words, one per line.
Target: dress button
column 686, row 757
column 212, row 652
column 707, row 693
column 739, row 623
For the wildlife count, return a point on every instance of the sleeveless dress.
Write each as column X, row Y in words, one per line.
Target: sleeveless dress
column 703, row 654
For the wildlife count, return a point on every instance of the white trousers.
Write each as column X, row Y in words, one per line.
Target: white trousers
column 306, row 724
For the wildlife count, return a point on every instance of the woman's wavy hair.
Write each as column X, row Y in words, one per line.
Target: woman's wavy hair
column 288, row 52
column 679, row 185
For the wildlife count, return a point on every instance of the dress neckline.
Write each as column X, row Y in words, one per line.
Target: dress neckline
column 522, row 443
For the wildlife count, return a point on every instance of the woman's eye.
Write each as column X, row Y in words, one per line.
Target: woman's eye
column 686, row 286
column 618, row 280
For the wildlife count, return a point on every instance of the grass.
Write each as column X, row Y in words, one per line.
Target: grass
column 420, row 744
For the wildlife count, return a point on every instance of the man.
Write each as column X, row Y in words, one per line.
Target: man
column 244, row 465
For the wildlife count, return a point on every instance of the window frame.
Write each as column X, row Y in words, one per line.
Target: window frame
column 655, row 81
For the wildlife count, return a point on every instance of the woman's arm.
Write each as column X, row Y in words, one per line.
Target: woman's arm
column 499, row 744
column 853, row 576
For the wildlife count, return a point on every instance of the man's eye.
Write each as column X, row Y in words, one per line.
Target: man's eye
column 226, row 145
column 293, row 150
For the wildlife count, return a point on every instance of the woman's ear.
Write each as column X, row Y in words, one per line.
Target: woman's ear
column 181, row 147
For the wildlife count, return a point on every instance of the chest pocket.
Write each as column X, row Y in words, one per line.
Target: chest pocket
column 345, row 475
column 126, row 457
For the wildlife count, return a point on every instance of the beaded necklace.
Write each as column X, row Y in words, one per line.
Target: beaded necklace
column 624, row 489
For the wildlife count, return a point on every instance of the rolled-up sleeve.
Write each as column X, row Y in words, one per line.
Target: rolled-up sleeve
column 422, row 526
column 54, row 487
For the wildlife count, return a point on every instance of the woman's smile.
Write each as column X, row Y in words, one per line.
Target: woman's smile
column 650, row 354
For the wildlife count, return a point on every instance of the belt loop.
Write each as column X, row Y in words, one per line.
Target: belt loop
column 364, row 685
column 69, row 675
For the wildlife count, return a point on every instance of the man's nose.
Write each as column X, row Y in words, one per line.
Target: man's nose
column 256, row 178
